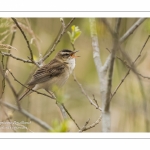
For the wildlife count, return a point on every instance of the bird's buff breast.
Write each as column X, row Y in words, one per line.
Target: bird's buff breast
column 58, row 81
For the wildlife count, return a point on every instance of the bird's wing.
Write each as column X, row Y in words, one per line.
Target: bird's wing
column 45, row 73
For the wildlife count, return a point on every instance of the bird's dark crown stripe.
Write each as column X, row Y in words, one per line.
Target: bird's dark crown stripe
column 66, row 50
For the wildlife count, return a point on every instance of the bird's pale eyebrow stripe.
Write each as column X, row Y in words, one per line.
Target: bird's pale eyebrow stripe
column 65, row 53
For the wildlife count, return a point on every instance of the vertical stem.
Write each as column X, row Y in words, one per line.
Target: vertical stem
column 101, row 70
column 95, row 45
column 106, row 120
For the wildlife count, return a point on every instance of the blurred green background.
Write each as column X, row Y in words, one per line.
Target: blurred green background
column 130, row 107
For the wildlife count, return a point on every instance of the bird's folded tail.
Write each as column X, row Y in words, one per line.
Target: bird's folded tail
column 28, row 91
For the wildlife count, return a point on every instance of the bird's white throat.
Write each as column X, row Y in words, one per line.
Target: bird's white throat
column 71, row 64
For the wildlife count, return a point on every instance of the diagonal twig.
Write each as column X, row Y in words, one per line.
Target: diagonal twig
column 95, row 100
column 17, row 58
column 11, row 86
column 11, row 43
column 117, row 27
column 111, row 61
column 7, row 59
column 24, row 112
column 85, row 127
column 139, row 55
column 8, row 81
column 64, row 28
column 30, row 50
column 3, row 80
column 83, row 91
column 132, row 29
column 70, row 116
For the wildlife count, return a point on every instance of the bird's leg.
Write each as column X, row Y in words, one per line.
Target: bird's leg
column 52, row 95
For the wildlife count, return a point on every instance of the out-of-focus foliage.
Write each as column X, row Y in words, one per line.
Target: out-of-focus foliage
column 60, row 94
column 130, row 107
column 5, row 29
column 60, row 126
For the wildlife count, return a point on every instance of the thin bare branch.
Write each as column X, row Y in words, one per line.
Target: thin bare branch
column 142, row 49
column 110, row 73
column 110, row 61
column 30, row 50
column 137, row 73
column 10, row 85
column 12, row 88
column 118, row 22
column 17, row 58
column 64, row 28
column 139, row 55
column 132, row 29
column 83, row 91
column 11, row 43
column 7, row 59
column 13, row 37
column 70, row 116
column 95, row 100
column 92, row 125
column 3, row 81
column 122, row 80
column 84, row 127
column 70, row 22
column 145, row 77
column 108, row 26
column 24, row 112
column 31, row 33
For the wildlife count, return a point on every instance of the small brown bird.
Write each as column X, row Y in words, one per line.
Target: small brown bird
column 54, row 73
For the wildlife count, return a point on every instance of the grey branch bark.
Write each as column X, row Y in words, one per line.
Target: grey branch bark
column 101, row 70
column 132, row 29
column 17, row 58
column 106, row 81
column 25, row 113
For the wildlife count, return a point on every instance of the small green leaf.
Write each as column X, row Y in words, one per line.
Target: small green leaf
column 77, row 35
column 74, row 34
column 73, row 28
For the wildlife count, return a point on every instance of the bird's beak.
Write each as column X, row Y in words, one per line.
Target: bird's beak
column 73, row 54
